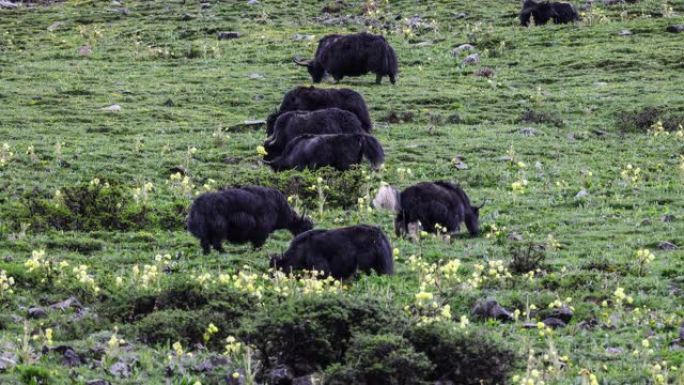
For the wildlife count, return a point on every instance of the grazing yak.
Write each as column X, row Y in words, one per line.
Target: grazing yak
column 544, row 11
column 240, row 215
column 311, row 99
column 339, row 151
column 295, row 123
column 430, row 203
column 338, row 253
column 352, row 55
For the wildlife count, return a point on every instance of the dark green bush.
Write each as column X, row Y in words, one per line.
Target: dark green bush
column 384, row 359
column 642, row 120
column 465, row 359
column 310, row 333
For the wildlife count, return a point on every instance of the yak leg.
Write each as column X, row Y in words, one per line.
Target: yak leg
column 392, row 78
column 216, row 243
column 206, row 246
column 378, row 79
column 258, row 242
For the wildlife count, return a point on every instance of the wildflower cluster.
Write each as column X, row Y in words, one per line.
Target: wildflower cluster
column 261, row 151
column 5, row 154
column 6, row 283
column 631, row 174
column 37, row 261
column 518, row 187
column 321, row 188
column 141, row 194
column 220, row 137
column 31, row 152
column 182, row 184
column 426, row 308
column 496, row 233
column 493, row 271
column 211, row 330
column 147, row 278
column 620, row 297
column 404, row 173
column 87, row 280
column 643, row 258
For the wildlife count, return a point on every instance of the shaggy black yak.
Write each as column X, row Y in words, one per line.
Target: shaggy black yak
column 338, row 253
column 311, row 99
column 430, row 203
column 352, row 55
column 240, row 215
column 544, row 11
column 295, row 123
column 339, row 151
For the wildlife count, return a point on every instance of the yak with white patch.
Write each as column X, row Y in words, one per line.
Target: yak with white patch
column 430, row 204
column 352, row 55
column 311, row 99
column 542, row 12
column 295, row 123
column 339, row 151
column 338, row 253
column 241, row 215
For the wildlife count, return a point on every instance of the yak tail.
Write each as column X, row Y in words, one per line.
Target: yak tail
column 387, row 198
column 392, row 65
column 372, row 150
column 385, row 261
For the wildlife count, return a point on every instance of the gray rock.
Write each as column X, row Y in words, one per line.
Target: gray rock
column 120, row 369
column 460, row 15
column 667, row 218
column 225, row 35
column 7, row 362
column 85, row 50
column 253, row 2
column 583, row 193
column 453, row 119
column 614, row 351
column 256, row 76
column 564, row 314
column 55, row 26
column 463, row 47
column 187, row 17
column 491, row 309
column 675, row 28
column 304, row 380
column 67, row 303
column 112, row 108
column 301, row 37
column 515, row 237
column 665, row 245
column 7, row 4
column 554, row 322
column 471, row 59
column 281, row 375
column 625, row 32
column 36, row 312
column 528, row 131
column 97, row 382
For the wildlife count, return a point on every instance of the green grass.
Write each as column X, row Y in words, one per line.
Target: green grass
column 583, row 74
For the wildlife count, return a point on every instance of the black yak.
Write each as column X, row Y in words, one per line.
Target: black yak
column 339, row 151
column 430, row 203
column 338, row 253
column 352, row 55
column 240, row 215
column 311, row 99
column 544, row 11
column 295, row 123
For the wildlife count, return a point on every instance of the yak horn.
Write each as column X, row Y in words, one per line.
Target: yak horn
column 482, row 205
column 301, row 62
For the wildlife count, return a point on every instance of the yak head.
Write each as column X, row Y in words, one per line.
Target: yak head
column 315, row 69
column 300, row 224
column 472, row 220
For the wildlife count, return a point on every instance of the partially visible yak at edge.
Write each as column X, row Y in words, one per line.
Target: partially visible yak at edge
column 240, row 215
column 352, row 55
column 295, row 123
column 430, row 203
column 338, row 253
column 339, row 151
column 311, row 99
column 544, row 11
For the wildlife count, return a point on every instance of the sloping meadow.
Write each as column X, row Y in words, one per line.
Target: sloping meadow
column 114, row 115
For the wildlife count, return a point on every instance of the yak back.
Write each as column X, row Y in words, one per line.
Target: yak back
column 356, row 54
column 311, row 98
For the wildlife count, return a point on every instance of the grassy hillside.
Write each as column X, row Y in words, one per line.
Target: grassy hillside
column 90, row 197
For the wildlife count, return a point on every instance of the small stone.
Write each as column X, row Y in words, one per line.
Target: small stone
column 301, row 37
column 515, row 237
column 85, row 50
column 614, row 351
column 229, row 35
column 484, row 72
column 7, row 4
column 667, row 218
column 121, row 11
column 303, row 380
column 460, row 165
column 253, row 2
column 667, row 246
column 8, row 360
column 625, row 32
column 231, row 160
column 564, row 314
column 471, row 59
column 460, row 15
column 675, row 28
column 70, row 358
column 646, row 222
column 491, row 309
column 256, row 76
column 169, row 103
column 97, row 382
column 54, row 26
column 463, row 47
column 554, row 322
column 67, row 303
column 36, row 312
column 583, row 193
column 453, row 119
column 281, row 375
column 112, row 108
column 187, row 17
column 120, row 369
column 528, row 131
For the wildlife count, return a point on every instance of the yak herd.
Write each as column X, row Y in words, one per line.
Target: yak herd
column 316, row 128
